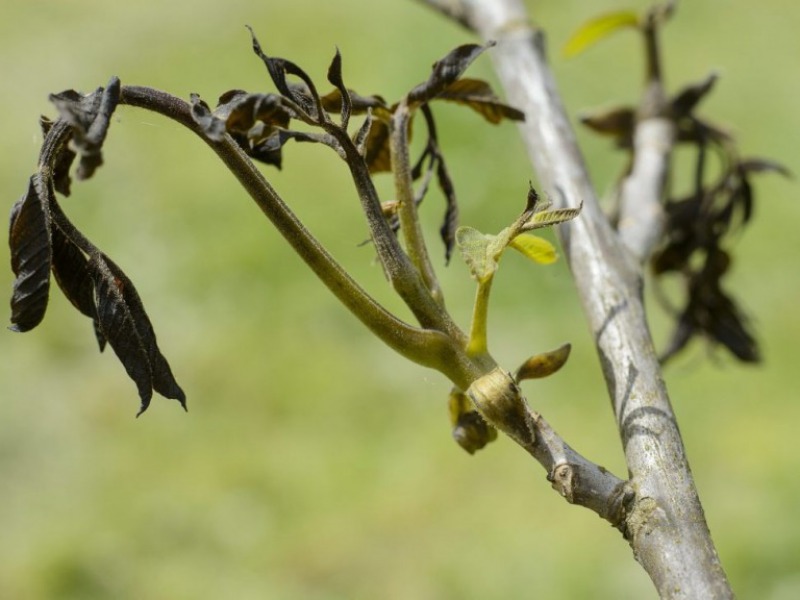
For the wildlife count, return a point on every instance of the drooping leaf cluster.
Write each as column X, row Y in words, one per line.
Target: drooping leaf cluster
column 262, row 123
column 44, row 241
column 697, row 238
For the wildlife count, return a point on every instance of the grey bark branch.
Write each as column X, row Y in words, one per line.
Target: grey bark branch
column 664, row 523
column 642, row 219
column 577, row 479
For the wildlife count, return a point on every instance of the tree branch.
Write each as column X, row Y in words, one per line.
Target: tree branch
column 664, row 523
column 642, row 219
column 577, row 479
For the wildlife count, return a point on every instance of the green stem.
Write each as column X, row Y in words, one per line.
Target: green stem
column 478, row 337
column 424, row 346
column 407, row 212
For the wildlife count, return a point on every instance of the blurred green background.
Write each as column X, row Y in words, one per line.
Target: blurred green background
column 314, row 463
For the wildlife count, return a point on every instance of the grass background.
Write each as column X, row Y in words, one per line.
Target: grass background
column 315, row 463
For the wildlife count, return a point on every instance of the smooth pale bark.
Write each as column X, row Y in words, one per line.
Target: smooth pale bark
column 664, row 520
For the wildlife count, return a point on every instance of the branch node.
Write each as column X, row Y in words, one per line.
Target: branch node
column 563, row 479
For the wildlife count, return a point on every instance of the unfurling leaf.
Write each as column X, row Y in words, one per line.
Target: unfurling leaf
column 125, row 324
column 543, row 365
column 470, row 430
column 476, row 250
column 599, row 28
column 546, row 218
column 478, row 95
column 31, row 254
column 537, row 249
column 446, row 71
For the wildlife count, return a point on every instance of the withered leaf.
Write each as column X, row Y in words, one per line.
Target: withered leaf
column 617, row 122
column 63, row 162
column 212, row 126
column 710, row 312
column 762, row 165
column 243, row 111
column 31, row 254
column 335, row 77
column 305, row 96
column 446, row 71
column 332, row 102
column 376, row 147
column 74, row 276
column 89, row 116
column 126, row 326
column 450, row 223
column 685, row 101
column 478, row 95
column 269, row 150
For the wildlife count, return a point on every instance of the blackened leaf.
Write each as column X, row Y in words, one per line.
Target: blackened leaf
column 243, row 111
column 306, row 96
column 448, row 229
column 212, row 126
column 729, row 328
column 284, row 135
column 127, row 327
column 360, row 137
column 63, row 162
column 446, row 71
column 478, row 95
column 685, row 101
column 89, row 116
column 74, row 277
column 674, row 257
column 77, row 109
column 532, row 200
column 31, row 254
column 681, row 336
column 91, row 156
column 761, row 165
column 745, row 199
column 617, row 122
column 335, row 77
column 267, row 150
